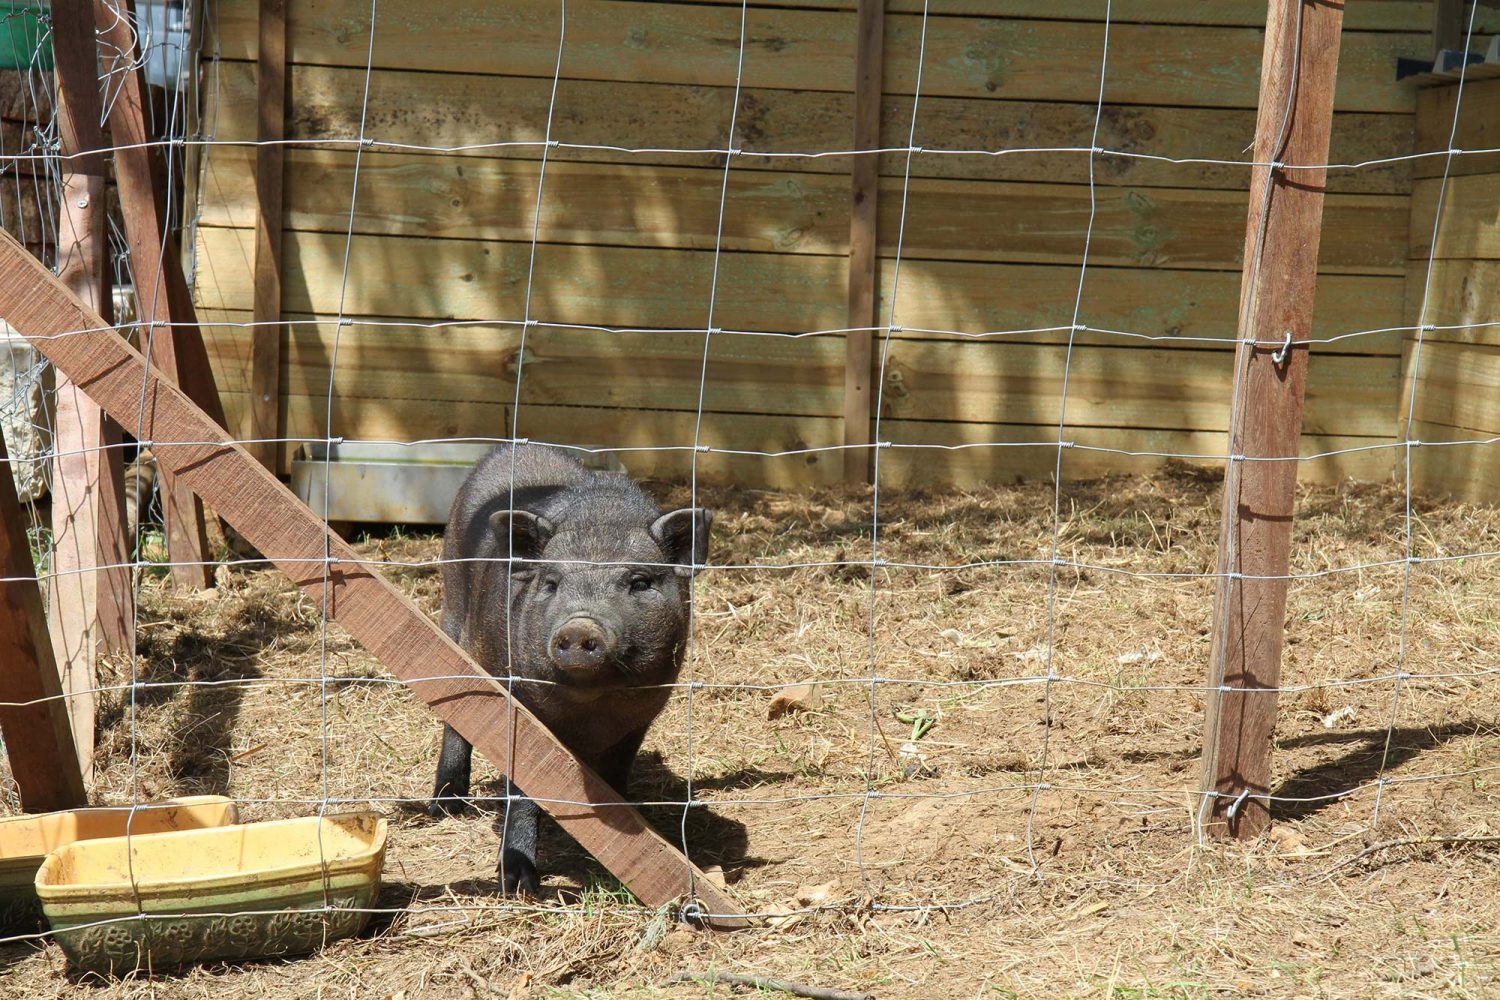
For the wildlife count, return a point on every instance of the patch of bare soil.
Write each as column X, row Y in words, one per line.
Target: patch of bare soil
column 963, row 827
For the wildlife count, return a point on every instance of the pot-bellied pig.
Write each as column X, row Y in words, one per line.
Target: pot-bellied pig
column 575, row 586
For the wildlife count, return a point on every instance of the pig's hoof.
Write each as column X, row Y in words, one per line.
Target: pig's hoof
column 447, row 806
column 519, row 879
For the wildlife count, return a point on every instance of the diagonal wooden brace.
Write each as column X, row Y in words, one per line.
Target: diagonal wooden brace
column 416, row 651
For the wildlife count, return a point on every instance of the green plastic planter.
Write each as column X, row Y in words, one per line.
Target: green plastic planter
column 25, row 842
column 258, row 890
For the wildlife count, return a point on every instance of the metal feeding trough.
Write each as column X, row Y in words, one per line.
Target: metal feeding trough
column 396, row 483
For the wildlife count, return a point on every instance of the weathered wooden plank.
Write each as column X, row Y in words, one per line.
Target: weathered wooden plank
column 21, row 100
column 864, row 245
column 798, row 49
column 156, row 271
column 1462, row 295
column 970, row 381
column 270, row 75
column 1448, row 24
column 34, row 716
column 1301, row 66
column 670, row 434
column 1382, row 15
column 392, row 628
column 1459, row 386
column 1470, row 226
column 24, row 208
column 1478, row 128
column 1467, row 472
column 396, row 276
column 771, row 211
column 450, row 109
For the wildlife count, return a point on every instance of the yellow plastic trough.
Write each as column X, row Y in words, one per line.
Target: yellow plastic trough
column 252, row 891
column 26, row 840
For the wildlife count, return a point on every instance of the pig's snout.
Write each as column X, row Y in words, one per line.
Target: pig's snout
column 581, row 644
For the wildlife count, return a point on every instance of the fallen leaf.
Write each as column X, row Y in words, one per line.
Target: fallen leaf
column 783, row 917
column 1091, row 909
column 1345, row 714
column 816, row 895
column 521, row 987
column 797, row 698
column 715, row 874
column 1290, row 842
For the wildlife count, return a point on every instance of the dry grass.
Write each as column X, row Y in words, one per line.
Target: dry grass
column 1125, row 905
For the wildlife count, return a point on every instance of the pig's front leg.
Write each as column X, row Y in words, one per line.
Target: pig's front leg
column 517, row 827
column 452, row 785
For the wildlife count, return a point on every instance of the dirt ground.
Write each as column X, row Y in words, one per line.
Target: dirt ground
column 960, row 877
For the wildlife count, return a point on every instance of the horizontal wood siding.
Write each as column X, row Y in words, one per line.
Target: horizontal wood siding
column 995, row 219
column 1454, row 272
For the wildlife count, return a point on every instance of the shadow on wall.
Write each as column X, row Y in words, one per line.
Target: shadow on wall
column 628, row 240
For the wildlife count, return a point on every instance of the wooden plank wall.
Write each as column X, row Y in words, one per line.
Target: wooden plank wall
column 991, row 242
column 1458, row 377
column 27, row 207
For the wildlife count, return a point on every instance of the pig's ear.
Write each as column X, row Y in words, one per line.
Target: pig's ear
column 527, row 532
column 683, row 536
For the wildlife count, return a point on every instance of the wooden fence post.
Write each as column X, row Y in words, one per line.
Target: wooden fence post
column 33, row 711
column 1447, row 24
column 379, row 616
column 160, row 286
column 864, row 244
column 265, row 350
column 1276, row 302
column 90, row 588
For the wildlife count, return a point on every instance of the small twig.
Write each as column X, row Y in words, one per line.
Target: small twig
column 480, row 983
column 766, row 983
column 1386, row 845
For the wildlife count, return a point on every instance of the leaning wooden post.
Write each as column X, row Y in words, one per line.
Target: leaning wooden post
column 864, row 245
column 160, row 286
column 375, row 613
column 1276, row 303
column 90, row 588
column 265, row 336
column 33, row 710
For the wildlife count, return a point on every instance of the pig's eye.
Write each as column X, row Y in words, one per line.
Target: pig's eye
column 639, row 583
column 549, row 586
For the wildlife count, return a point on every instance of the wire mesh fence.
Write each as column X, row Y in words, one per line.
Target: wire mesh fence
column 1004, row 687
